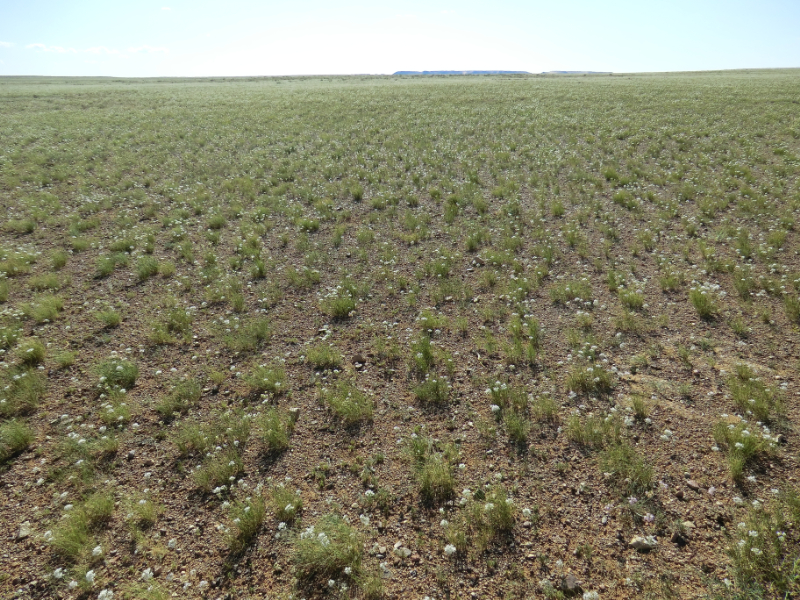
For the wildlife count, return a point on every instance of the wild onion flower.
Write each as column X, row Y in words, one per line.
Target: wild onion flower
column 90, row 576
column 449, row 550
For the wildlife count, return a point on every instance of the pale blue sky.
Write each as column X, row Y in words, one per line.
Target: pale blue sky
column 247, row 37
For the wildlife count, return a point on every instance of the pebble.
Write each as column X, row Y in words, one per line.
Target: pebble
column 25, row 530
column 643, row 544
column 571, row 586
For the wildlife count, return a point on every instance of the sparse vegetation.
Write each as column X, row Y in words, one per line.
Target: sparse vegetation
column 436, row 303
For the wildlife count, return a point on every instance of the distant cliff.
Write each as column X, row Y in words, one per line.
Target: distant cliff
column 461, row 73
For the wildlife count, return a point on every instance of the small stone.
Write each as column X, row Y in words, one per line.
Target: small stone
column 679, row 494
column 527, row 524
column 643, row 544
column 402, row 552
column 693, row 485
column 25, row 530
column 571, row 586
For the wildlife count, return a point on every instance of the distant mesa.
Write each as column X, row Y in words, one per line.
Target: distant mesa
column 461, row 73
column 576, row 73
column 500, row 73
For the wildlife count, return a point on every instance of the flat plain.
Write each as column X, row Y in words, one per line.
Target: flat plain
column 401, row 337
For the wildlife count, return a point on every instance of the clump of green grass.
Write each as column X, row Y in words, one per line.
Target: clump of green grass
column 107, row 264
column 266, row 380
column 249, row 336
column 9, row 336
column 21, row 226
column 633, row 324
column 433, row 470
column 146, row 267
column 791, row 305
column 45, row 281
column 744, row 445
column 59, row 259
column 764, row 549
column 671, row 281
column 324, row 356
column 328, row 549
column 593, row 432
column 143, row 512
column 117, row 373
column 518, row 427
column 21, row 393
column 177, row 321
column 704, row 303
column 30, row 352
column 630, row 472
column 183, row 396
column 219, row 470
column 123, row 245
column 544, row 408
column 304, row 278
column 109, row 318
column 422, row 354
column 577, row 290
column 115, row 411
column 44, row 309
column 166, row 269
column 73, row 538
column 348, row 404
column 593, row 379
column 631, row 299
column 286, row 504
column 15, row 437
column 196, row 439
column 275, row 428
column 640, row 408
column 752, row 396
column 341, row 303
column 485, row 517
column 247, row 517
column 433, row 390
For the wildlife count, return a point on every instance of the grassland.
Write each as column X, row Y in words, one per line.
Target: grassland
column 400, row 337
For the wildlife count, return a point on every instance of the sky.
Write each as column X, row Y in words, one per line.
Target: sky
column 188, row 38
